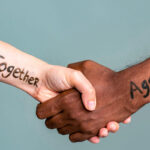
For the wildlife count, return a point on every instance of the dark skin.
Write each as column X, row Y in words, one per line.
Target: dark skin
column 114, row 101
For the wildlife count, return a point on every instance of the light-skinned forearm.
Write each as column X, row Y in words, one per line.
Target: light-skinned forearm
column 20, row 69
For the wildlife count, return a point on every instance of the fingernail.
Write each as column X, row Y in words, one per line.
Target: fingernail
column 96, row 141
column 91, row 105
column 105, row 133
column 129, row 120
column 113, row 127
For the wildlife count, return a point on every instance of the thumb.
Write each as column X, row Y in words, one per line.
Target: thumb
column 80, row 82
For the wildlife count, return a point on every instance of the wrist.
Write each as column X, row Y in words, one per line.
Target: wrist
column 131, row 82
column 21, row 70
column 41, row 75
column 27, row 75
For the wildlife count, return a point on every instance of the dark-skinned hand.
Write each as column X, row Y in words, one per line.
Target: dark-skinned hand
column 67, row 113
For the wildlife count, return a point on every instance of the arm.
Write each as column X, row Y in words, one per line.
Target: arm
column 39, row 79
column 20, row 69
column 119, row 94
column 137, row 83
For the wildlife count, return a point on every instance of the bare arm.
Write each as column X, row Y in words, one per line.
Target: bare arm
column 119, row 94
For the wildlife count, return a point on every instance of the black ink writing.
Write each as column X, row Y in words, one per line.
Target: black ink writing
column 144, row 89
column 133, row 88
column 2, row 57
column 18, row 73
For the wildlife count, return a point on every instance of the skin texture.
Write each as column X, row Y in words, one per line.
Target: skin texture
column 66, row 113
column 59, row 79
column 41, row 80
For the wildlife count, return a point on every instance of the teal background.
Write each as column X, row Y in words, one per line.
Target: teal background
column 115, row 33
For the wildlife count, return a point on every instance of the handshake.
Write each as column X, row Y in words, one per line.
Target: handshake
column 84, row 100
column 118, row 96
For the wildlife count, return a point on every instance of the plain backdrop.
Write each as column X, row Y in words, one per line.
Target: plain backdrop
column 115, row 33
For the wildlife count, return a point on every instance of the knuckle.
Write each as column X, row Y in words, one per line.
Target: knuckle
column 63, row 131
column 76, row 73
column 46, row 124
column 39, row 112
column 50, row 124
column 86, row 63
column 60, row 131
column 73, row 139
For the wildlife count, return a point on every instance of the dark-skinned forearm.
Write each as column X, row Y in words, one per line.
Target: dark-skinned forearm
column 136, row 80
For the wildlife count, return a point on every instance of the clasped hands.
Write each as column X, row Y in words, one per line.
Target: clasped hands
column 67, row 113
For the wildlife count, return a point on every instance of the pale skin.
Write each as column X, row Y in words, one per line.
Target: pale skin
column 44, row 81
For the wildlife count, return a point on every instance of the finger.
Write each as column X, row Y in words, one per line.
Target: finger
column 113, row 126
column 57, row 121
column 103, row 132
column 128, row 120
column 79, row 81
column 67, row 130
column 79, row 137
column 94, row 140
column 49, row 108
